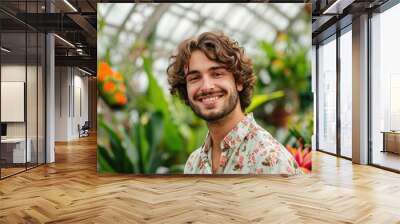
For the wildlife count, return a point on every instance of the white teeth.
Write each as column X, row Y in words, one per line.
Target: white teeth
column 210, row 99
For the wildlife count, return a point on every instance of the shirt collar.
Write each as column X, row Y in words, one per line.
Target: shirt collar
column 235, row 136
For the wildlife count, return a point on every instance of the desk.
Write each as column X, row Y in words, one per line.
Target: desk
column 391, row 141
column 16, row 147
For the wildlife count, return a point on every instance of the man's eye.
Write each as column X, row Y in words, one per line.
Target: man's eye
column 217, row 74
column 193, row 78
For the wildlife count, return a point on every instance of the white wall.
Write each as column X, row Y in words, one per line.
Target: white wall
column 71, row 93
column 61, row 103
column 12, row 73
column 33, row 127
column 80, row 102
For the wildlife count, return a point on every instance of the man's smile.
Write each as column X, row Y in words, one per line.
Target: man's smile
column 210, row 99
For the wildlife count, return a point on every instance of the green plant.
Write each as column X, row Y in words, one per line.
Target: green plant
column 261, row 99
column 151, row 131
column 285, row 67
column 301, row 129
column 132, row 151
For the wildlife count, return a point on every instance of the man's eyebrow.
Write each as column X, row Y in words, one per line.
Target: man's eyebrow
column 217, row 67
column 210, row 69
column 192, row 72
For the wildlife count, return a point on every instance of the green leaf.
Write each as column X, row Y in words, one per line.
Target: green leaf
column 142, row 146
column 156, row 97
column 100, row 24
column 131, row 151
column 259, row 100
column 173, row 138
column 121, row 161
column 111, row 133
column 268, row 49
column 154, row 91
column 154, row 133
column 177, row 169
column 295, row 133
column 105, row 162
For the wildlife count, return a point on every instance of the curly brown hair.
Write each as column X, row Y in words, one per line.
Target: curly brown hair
column 219, row 48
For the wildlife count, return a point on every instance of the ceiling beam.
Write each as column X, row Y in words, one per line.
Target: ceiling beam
column 86, row 27
column 83, row 61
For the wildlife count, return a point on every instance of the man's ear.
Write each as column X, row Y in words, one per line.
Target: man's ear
column 239, row 87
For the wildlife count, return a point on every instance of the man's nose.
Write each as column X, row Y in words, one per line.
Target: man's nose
column 207, row 83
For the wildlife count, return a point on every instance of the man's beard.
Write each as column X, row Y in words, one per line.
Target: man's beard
column 228, row 107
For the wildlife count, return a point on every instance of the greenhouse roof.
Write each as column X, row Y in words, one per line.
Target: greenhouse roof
column 248, row 23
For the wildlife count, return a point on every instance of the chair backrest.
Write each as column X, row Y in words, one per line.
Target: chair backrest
column 86, row 125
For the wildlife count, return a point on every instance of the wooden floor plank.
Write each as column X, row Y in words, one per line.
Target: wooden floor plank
column 70, row 191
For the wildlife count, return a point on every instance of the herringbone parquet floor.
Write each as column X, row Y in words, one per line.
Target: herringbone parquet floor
column 70, row 191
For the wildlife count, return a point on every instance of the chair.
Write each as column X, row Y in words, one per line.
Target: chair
column 84, row 130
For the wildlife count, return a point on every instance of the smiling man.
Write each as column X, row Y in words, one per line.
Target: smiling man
column 212, row 74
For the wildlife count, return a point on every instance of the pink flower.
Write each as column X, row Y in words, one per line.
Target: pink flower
column 201, row 165
column 239, row 165
column 252, row 158
column 223, row 161
column 302, row 157
column 241, row 158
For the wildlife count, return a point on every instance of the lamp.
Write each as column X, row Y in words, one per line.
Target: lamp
column 5, row 50
column 84, row 71
column 70, row 5
column 64, row 40
column 337, row 7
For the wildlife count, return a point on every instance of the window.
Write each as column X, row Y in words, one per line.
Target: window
column 327, row 96
column 385, row 89
column 346, row 94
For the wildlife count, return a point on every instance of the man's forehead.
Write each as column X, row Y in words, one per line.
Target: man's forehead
column 198, row 61
column 188, row 69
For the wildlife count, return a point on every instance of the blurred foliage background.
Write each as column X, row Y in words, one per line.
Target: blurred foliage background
column 144, row 130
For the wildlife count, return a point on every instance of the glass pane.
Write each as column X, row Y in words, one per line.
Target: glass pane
column 41, row 99
column 385, row 89
column 31, row 97
column 32, row 88
column 13, row 87
column 327, row 97
column 346, row 94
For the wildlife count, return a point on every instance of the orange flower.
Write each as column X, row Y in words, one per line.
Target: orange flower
column 117, row 76
column 108, row 87
column 302, row 157
column 120, row 98
column 104, row 70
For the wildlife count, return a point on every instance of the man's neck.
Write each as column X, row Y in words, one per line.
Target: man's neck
column 219, row 129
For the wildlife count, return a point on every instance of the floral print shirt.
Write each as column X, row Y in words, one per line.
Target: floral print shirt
column 246, row 149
